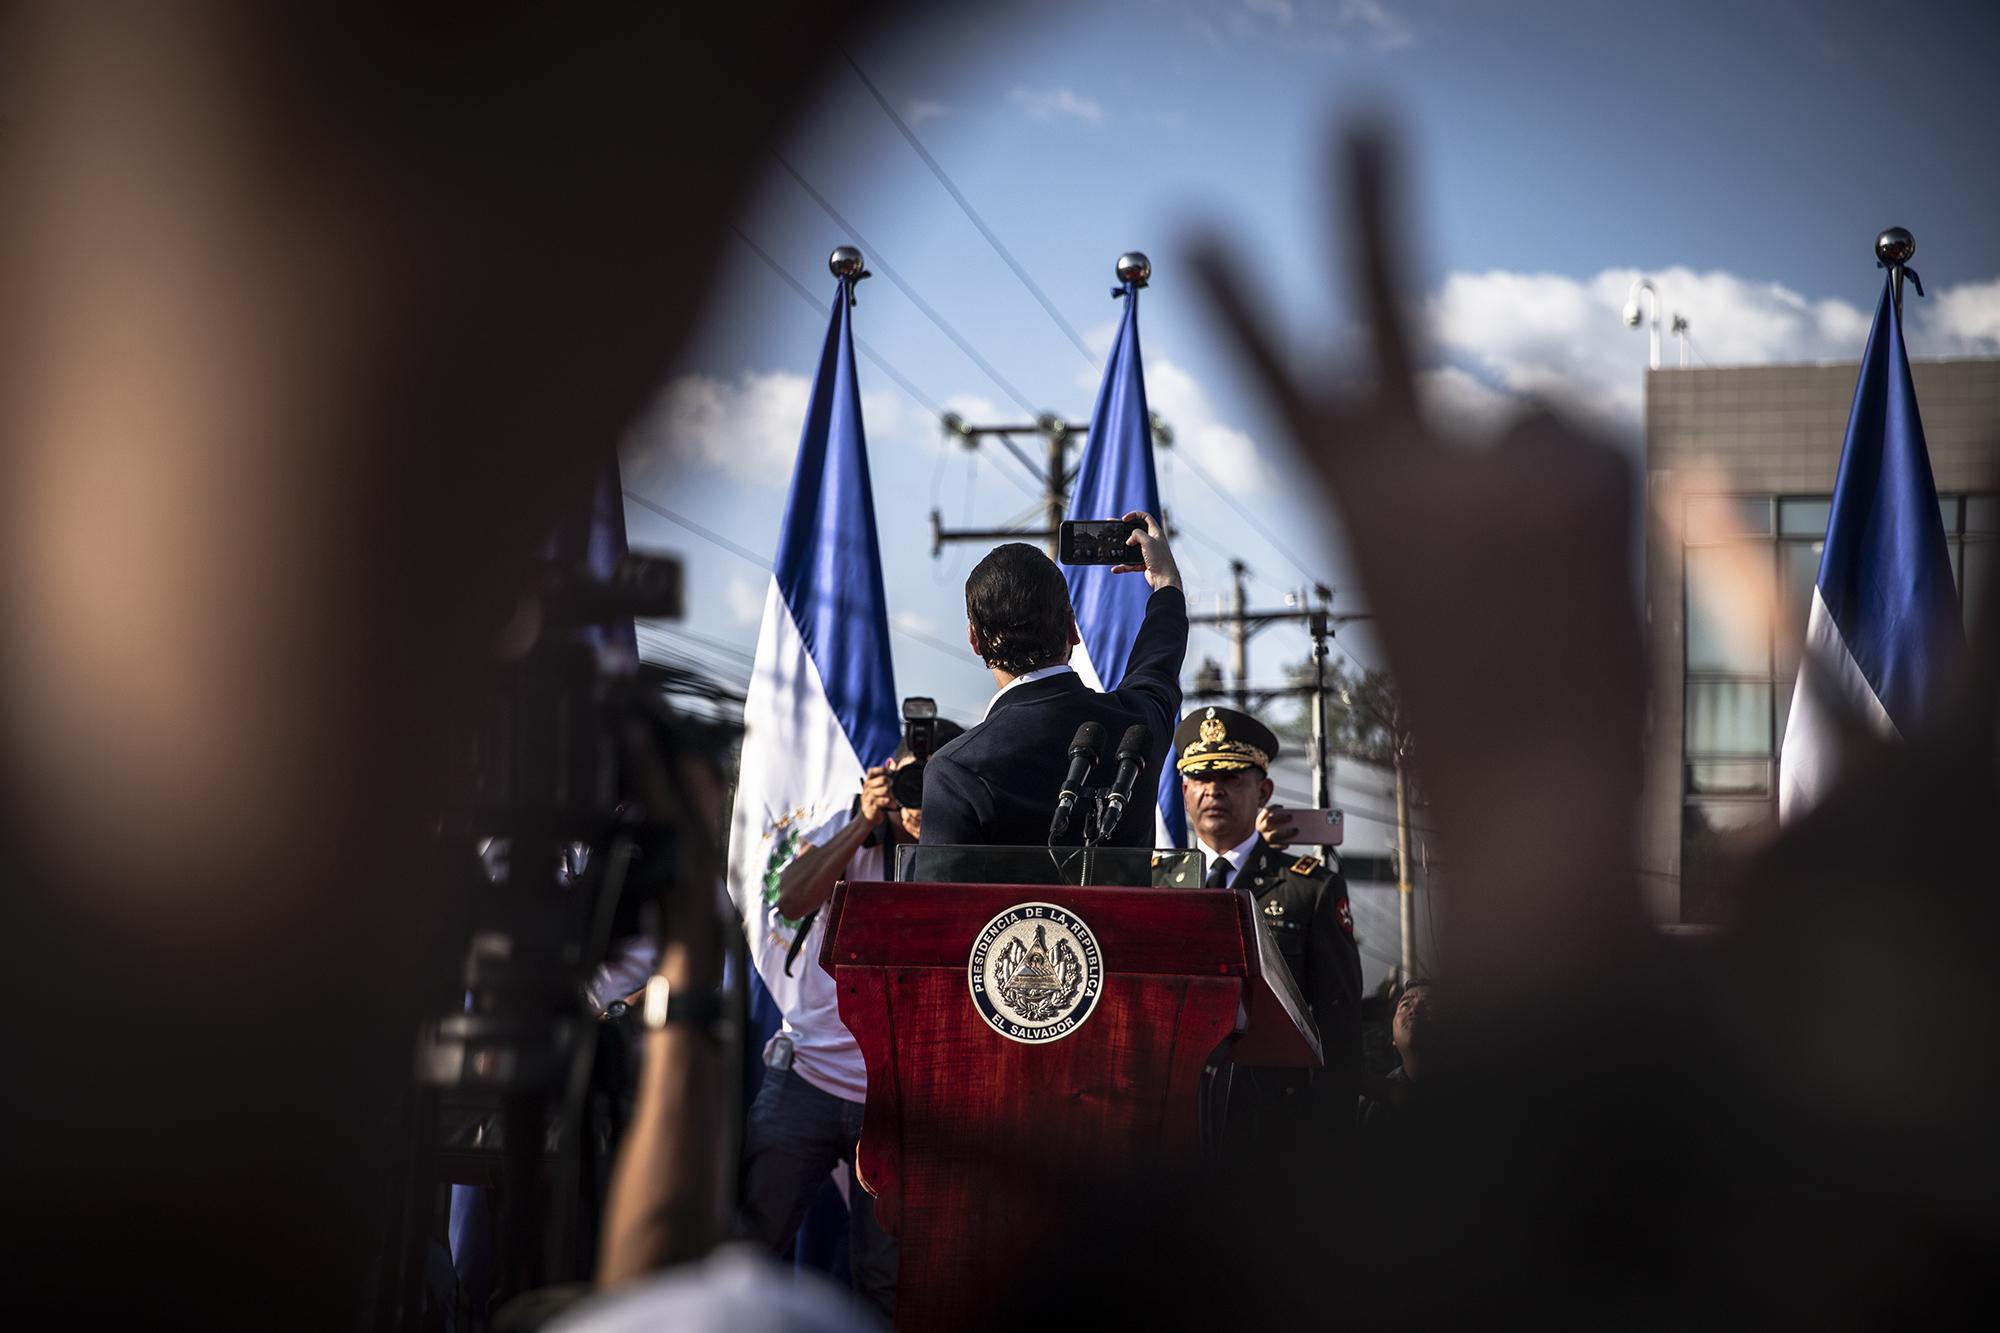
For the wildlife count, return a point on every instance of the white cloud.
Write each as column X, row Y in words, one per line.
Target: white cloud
column 979, row 411
column 1337, row 26
column 1377, row 26
column 1279, row 10
column 746, row 427
column 1559, row 339
column 919, row 111
column 746, row 600
column 1564, row 341
column 1049, row 105
column 1963, row 321
column 1225, row 452
column 1099, row 337
column 1463, row 404
column 1219, row 449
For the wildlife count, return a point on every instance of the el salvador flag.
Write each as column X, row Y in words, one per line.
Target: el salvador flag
column 1884, row 627
column 1116, row 477
column 822, row 704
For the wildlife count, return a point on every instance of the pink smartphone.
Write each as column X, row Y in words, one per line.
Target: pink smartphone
column 1317, row 828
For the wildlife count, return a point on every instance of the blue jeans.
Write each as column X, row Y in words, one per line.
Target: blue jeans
column 795, row 1135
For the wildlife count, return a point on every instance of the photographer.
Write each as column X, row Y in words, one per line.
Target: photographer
column 807, row 1114
column 997, row 783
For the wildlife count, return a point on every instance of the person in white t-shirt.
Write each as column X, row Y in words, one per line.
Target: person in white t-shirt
column 806, row 1118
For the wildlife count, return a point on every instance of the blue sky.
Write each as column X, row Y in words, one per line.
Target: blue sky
column 1743, row 156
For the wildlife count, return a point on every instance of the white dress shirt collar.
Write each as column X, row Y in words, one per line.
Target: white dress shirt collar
column 1236, row 855
column 1040, row 673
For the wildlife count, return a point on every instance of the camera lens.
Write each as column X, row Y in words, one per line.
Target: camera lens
column 906, row 784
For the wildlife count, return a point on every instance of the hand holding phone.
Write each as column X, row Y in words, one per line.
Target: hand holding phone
column 1313, row 828
column 1154, row 558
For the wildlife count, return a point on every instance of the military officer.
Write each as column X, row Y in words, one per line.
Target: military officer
column 1225, row 761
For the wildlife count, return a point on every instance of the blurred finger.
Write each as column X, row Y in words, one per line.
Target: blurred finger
column 1369, row 175
column 1128, row 569
column 1225, row 285
column 1141, row 516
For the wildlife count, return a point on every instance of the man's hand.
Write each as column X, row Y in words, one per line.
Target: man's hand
column 876, row 799
column 1156, row 558
column 688, row 792
column 1275, row 826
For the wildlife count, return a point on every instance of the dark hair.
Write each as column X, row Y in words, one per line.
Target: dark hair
column 1019, row 607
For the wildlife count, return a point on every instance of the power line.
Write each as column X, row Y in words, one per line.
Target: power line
column 1006, row 255
column 902, row 382
column 726, row 659
column 655, row 649
column 1257, row 525
column 1347, row 650
column 875, row 256
column 1034, row 289
column 716, row 645
column 922, row 399
column 1688, row 338
column 956, row 653
column 965, row 206
column 699, row 531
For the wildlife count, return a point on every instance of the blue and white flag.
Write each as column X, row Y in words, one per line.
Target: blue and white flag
column 1114, row 478
column 822, row 700
column 1884, row 627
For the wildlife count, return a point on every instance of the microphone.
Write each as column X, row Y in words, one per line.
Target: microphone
column 1131, row 763
column 1083, row 752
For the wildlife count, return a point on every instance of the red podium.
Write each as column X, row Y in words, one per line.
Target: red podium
column 1017, row 1035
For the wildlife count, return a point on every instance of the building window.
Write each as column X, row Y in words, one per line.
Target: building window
column 1748, row 567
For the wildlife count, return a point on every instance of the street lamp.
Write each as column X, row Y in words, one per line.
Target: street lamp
column 1632, row 313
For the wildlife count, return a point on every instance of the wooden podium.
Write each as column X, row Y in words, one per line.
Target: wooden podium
column 970, row 1133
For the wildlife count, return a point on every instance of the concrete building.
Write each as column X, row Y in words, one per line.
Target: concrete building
column 1740, row 469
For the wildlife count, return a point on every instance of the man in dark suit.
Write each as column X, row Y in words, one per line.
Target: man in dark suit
column 997, row 784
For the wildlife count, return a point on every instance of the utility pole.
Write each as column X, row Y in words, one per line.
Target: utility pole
column 1239, row 636
column 1386, row 712
column 1321, row 629
column 1056, row 475
column 1406, row 894
column 1241, row 623
column 1320, row 622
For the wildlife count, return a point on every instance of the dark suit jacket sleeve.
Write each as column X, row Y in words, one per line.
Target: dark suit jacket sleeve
column 1335, row 993
column 957, row 806
column 1153, row 669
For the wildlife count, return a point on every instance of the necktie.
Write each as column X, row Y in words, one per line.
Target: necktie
column 1218, row 874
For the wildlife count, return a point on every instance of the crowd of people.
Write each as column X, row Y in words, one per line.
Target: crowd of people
column 1602, row 1121
column 295, row 296
column 993, row 785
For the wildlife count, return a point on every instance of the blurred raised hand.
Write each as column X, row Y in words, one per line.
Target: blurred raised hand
column 1503, row 596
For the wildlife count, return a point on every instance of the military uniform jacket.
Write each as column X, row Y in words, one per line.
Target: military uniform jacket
column 1304, row 902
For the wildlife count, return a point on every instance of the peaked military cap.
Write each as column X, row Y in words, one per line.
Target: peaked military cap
column 1222, row 740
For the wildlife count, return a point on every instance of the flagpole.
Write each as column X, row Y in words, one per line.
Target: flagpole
column 1894, row 249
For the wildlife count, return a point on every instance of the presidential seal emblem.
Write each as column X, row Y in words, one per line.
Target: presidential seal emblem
column 1035, row 973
